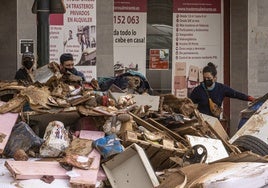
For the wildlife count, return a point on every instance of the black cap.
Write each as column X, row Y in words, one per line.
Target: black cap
column 66, row 57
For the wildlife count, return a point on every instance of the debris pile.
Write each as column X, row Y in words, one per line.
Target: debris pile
column 119, row 120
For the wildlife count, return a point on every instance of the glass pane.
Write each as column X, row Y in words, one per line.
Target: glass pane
column 159, row 36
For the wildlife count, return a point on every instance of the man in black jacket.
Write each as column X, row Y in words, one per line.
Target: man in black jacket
column 67, row 65
column 25, row 73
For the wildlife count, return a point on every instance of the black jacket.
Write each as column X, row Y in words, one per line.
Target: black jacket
column 22, row 75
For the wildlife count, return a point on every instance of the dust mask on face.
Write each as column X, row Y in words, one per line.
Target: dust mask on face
column 208, row 83
column 71, row 70
column 28, row 64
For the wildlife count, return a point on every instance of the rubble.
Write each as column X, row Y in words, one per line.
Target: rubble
column 171, row 135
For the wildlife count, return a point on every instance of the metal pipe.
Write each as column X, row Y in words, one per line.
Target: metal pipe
column 43, row 32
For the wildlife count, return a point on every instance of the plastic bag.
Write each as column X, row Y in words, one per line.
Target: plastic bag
column 22, row 137
column 108, row 145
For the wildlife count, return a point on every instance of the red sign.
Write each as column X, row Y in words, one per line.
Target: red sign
column 159, row 59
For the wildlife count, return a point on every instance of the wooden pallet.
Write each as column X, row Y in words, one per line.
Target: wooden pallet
column 158, row 154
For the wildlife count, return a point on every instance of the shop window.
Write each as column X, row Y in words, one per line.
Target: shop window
column 159, row 36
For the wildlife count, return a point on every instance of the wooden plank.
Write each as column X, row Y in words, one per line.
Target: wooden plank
column 171, row 133
column 151, row 151
column 129, row 139
column 88, row 178
column 7, row 122
column 145, row 124
column 156, row 153
column 217, row 126
column 35, row 169
column 159, row 158
column 169, row 163
column 188, row 130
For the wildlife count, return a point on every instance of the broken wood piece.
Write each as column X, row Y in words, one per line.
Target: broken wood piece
column 188, row 130
column 103, row 111
column 175, row 178
column 79, row 100
column 20, row 155
column 79, row 146
column 168, row 143
column 48, row 179
column 88, row 178
column 115, row 88
column 168, row 131
column 158, row 154
column 35, row 169
column 145, row 124
column 220, row 135
column 132, row 137
column 140, row 100
column 217, row 126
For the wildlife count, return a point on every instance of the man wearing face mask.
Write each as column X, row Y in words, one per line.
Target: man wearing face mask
column 209, row 88
column 25, row 73
column 67, row 66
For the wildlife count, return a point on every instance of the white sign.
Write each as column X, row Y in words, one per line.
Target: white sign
column 197, row 40
column 75, row 32
column 130, row 18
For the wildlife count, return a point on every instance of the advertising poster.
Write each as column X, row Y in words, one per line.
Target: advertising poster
column 159, row 59
column 75, row 32
column 130, row 18
column 197, row 40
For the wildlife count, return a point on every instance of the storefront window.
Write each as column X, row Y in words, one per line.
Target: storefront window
column 159, row 39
